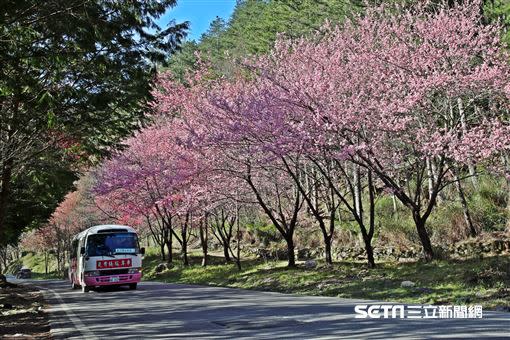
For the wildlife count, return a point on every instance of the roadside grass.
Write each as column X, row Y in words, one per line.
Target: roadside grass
column 35, row 262
column 483, row 281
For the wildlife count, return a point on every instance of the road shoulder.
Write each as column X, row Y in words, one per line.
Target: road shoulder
column 64, row 323
column 23, row 312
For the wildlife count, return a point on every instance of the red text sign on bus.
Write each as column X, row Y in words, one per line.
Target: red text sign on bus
column 104, row 264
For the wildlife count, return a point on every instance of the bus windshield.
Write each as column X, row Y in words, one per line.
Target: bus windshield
column 111, row 244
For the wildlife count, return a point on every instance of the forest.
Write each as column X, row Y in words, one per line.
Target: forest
column 336, row 129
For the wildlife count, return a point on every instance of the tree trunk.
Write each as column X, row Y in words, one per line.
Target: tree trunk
column 286, row 230
column 440, row 197
column 46, row 262
column 507, row 173
column 224, row 235
column 311, row 197
column 430, row 177
column 58, row 260
column 291, row 257
column 184, row 245
column 162, row 249
column 226, row 252
column 238, row 239
column 424, row 238
column 508, row 206
column 185, row 260
column 465, row 208
column 366, row 236
column 3, row 255
column 168, row 238
column 357, row 191
column 5, row 259
column 471, row 167
column 327, row 248
column 370, row 252
column 169, row 246
column 5, row 188
column 203, row 241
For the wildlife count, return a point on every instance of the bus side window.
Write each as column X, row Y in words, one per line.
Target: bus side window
column 83, row 243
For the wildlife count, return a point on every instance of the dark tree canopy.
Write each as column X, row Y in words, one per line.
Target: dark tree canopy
column 74, row 76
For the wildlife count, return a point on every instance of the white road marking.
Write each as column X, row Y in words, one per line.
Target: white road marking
column 78, row 324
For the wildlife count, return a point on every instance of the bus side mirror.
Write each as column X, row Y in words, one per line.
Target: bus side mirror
column 82, row 251
column 142, row 251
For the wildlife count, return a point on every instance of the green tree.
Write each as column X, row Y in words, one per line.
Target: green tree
column 184, row 60
column 254, row 27
column 495, row 10
column 37, row 189
column 255, row 24
column 74, row 75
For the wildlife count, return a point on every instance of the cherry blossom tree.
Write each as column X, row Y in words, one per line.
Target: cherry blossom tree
column 156, row 177
column 74, row 214
column 382, row 92
column 402, row 102
column 38, row 241
column 218, row 115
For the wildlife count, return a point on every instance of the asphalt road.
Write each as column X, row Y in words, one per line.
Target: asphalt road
column 158, row 310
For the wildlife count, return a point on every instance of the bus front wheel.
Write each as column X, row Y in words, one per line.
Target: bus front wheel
column 132, row 286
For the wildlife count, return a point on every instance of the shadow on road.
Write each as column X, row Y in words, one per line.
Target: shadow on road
column 179, row 311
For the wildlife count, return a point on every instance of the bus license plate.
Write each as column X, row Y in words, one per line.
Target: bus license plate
column 114, row 279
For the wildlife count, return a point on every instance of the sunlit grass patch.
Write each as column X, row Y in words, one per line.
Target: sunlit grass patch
column 438, row 282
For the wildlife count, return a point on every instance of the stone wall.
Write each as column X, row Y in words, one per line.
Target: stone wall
column 485, row 245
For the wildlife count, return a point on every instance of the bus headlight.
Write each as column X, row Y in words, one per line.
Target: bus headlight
column 133, row 270
column 93, row 273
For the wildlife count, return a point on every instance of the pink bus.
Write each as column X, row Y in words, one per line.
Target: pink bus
column 105, row 255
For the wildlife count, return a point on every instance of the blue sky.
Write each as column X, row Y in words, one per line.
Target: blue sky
column 199, row 13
